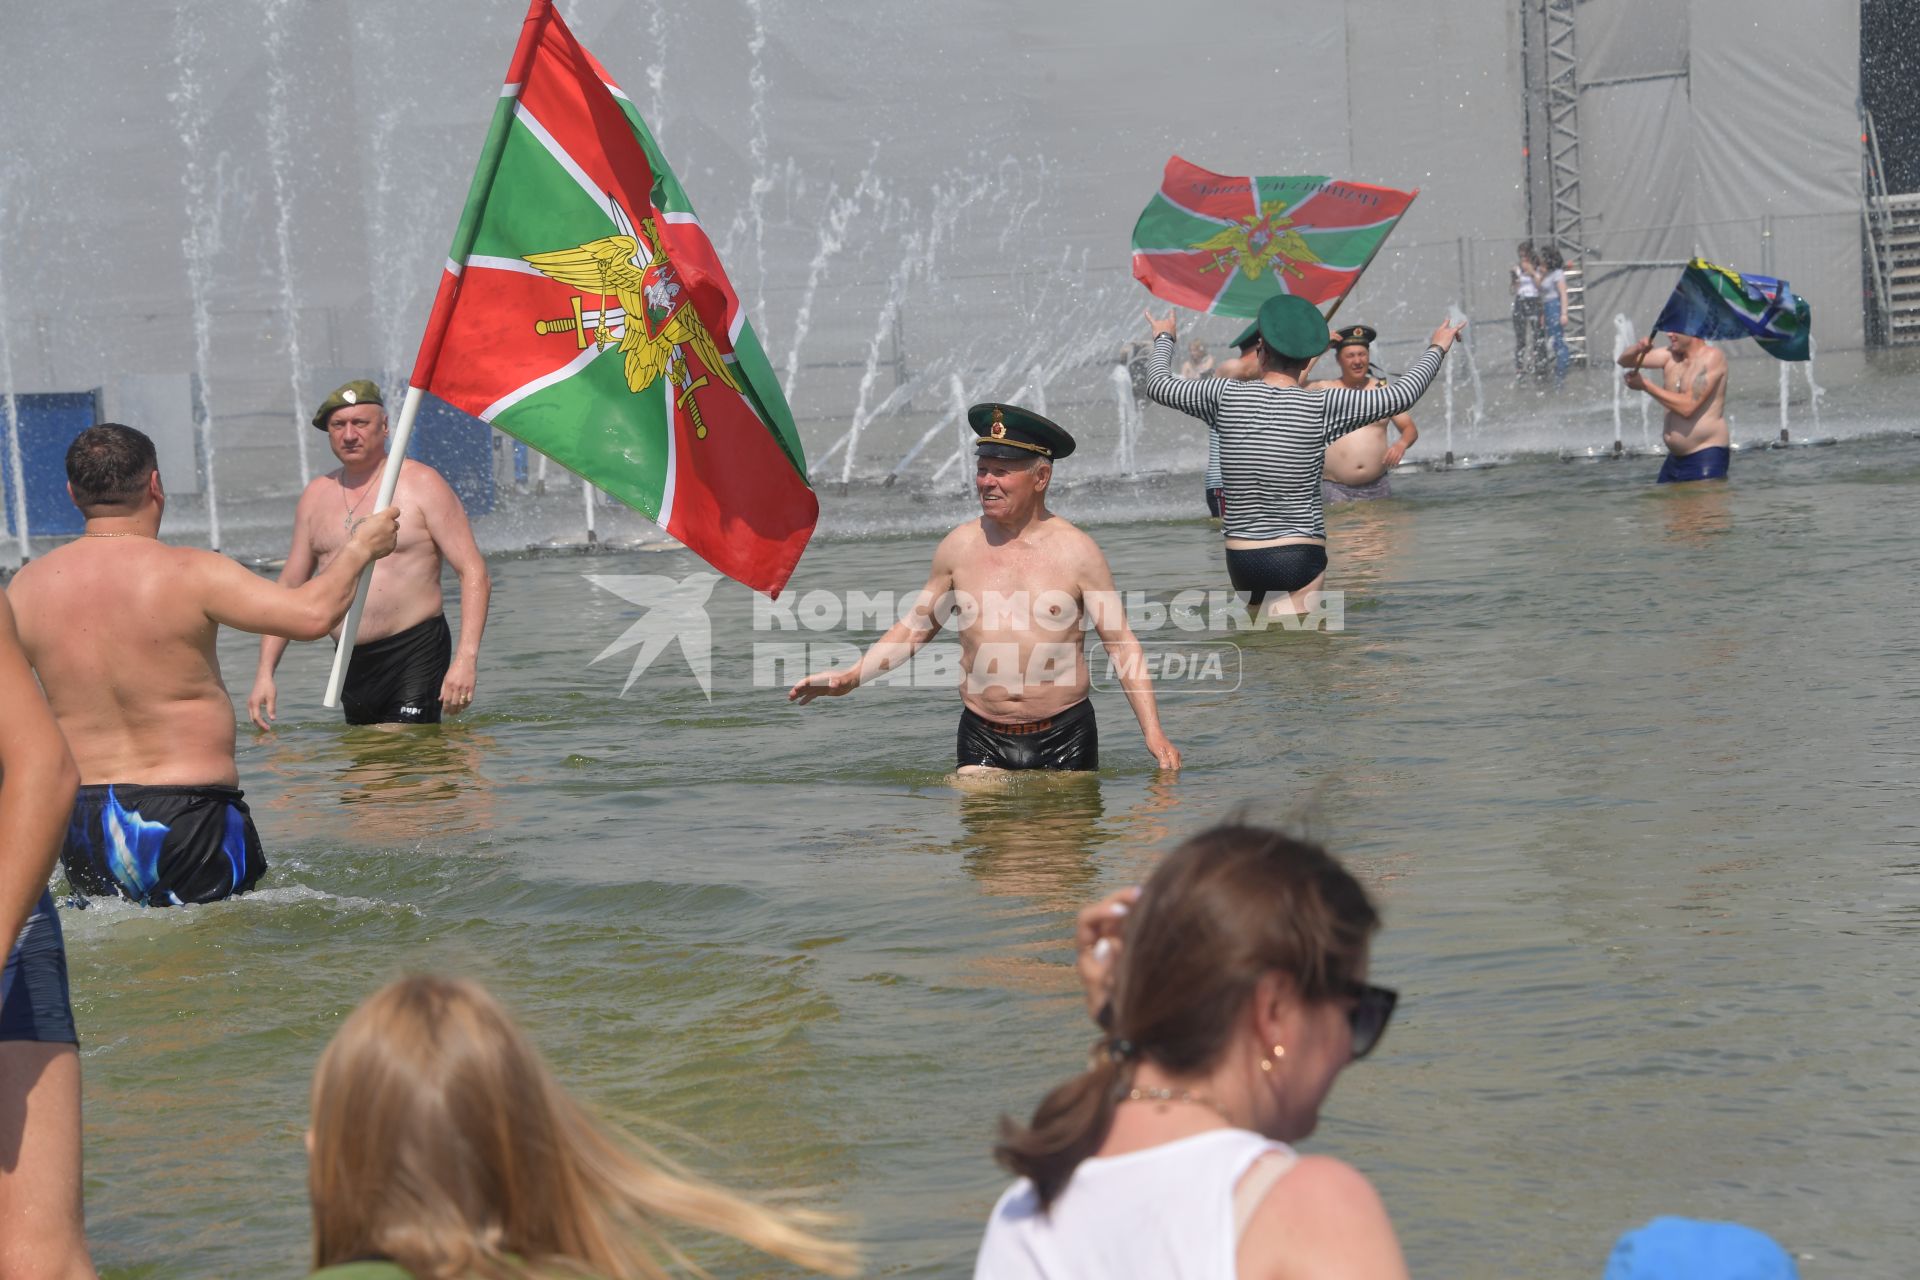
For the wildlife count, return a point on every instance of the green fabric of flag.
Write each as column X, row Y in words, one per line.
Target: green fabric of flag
column 585, row 311
column 1226, row 245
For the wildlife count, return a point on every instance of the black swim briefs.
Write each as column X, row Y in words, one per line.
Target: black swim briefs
column 396, row 679
column 1259, row 570
column 162, row 846
column 1070, row 740
column 33, row 988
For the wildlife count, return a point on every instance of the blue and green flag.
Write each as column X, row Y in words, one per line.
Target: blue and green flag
column 1715, row 302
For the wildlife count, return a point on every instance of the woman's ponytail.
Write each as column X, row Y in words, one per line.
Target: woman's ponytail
column 1068, row 1126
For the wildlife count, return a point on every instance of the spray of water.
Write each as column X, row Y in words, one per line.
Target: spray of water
column 757, row 146
column 657, row 70
column 1814, row 390
column 883, row 325
column 405, row 223
column 1623, row 337
column 1037, row 390
column 16, row 467
column 1784, row 392
column 280, row 159
column 833, row 238
column 1127, row 428
column 204, row 185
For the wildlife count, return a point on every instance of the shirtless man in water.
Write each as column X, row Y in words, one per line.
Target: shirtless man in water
column 121, row 628
column 1359, row 464
column 405, row 666
column 1025, row 584
column 1695, row 398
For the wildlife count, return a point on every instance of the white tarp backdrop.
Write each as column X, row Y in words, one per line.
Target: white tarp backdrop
column 982, row 162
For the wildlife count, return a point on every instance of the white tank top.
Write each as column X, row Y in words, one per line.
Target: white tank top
column 1165, row 1213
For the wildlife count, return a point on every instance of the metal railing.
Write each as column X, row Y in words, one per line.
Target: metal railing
column 1876, row 221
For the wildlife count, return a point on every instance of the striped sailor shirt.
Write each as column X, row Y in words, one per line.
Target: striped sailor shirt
column 1273, row 440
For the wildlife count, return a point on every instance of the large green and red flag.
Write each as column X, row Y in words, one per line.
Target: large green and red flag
column 1226, row 245
column 585, row 311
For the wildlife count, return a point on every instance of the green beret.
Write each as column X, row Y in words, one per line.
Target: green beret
column 359, row 391
column 1354, row 335
column 1245, row 340
column 1008, row 431
column 1292, row 327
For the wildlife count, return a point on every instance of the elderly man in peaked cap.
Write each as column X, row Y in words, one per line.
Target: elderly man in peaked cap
column 1359, row 465
column 1025, row 584
column 405, row 666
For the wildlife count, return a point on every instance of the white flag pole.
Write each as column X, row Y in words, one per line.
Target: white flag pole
column 389, row 481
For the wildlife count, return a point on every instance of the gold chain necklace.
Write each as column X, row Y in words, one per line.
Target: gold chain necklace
column 1177, row 1095
column 348, row 521
column 129, row 533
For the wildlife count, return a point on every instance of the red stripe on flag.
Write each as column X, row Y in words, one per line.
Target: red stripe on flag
column 564, row 93
column 436, row 335
column 572, row 101
column 1321, row 285
column 737, row 500
column 1179, row 278
column 1205, row 192
column 692, row 251
column 1350, row 204
column 497, row 315
column 539, row 14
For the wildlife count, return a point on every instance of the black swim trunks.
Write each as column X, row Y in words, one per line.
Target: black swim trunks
column 33, row 989
column 1070, row 740
column 1216, row 501
column 1259, row 570
column 162, row 846
column 396, row 679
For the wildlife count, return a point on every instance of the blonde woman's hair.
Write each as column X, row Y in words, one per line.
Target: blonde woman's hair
column 442, row 1142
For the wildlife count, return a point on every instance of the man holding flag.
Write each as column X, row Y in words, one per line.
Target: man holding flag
column 1709, row 303
column 1695, row 398
column 584, row 311
column 406, row 668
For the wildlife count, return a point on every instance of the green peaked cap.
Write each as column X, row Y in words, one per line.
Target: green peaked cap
column 1008, row 431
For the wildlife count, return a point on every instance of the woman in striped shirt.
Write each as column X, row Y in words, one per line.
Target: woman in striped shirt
column 1273, row 437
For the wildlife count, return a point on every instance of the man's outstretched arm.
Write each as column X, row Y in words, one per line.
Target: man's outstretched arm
column 235, row 596
column 902, row 640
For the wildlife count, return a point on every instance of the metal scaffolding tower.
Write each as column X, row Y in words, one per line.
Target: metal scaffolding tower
column 1563, row 165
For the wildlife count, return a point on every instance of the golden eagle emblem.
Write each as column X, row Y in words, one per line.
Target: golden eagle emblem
column 654, row 321
column 1259, row 241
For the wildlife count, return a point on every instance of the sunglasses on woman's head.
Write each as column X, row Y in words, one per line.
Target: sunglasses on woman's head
column 1372, row 1007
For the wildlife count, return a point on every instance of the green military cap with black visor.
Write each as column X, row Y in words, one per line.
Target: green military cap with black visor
column 359, row 391
column 1008, row 431
column 1354, row 335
